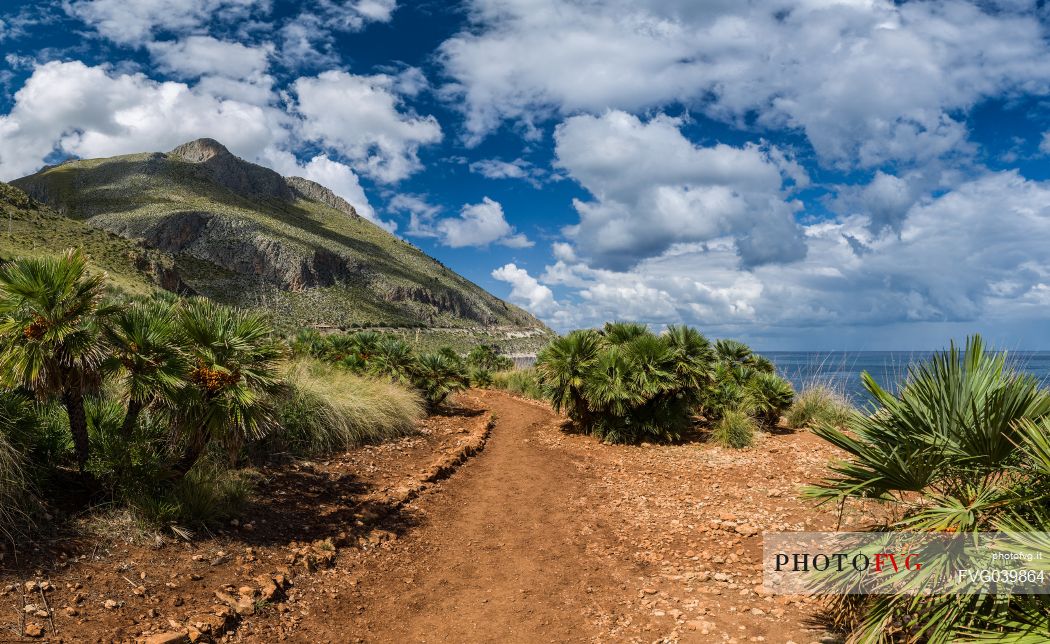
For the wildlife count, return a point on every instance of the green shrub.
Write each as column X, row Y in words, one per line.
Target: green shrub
column 736, row 429
column 307, row 342
column 393, row 359
column 624, row 383
column 210, row 494
column 479, row 377
column 49, row 339
column 726, row 391
column 323, row 409
column 769, row 396
column 733, row 352
column 129, row 465
column 818, row 405
column 487, row 357
column 233, row 371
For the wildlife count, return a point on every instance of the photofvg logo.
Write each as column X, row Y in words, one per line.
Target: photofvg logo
column 894, row 563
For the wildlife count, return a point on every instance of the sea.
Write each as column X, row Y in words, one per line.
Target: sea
column 842, row 369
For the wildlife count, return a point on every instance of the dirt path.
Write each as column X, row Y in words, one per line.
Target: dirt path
column 547, row 536
column 542, row 536
column 502, row 555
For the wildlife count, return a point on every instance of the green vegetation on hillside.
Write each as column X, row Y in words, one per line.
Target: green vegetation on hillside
column 30, row 229
column 435, row 375
column 242, row 235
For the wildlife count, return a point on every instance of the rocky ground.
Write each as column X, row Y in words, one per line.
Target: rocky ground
column 492, row 524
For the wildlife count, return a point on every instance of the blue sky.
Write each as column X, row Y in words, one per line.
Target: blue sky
column 816, row 174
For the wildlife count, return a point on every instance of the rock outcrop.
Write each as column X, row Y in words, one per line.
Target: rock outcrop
column 443, row 301
column 312, row 190
column 233, row 173
column 243, row 248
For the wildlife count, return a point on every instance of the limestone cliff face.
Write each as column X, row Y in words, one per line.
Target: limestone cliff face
column 444, row 301
column 242, row 248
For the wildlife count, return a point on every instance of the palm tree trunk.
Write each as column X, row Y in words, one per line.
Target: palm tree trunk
column 192, row 454
column 73, row 399
column 131, row 417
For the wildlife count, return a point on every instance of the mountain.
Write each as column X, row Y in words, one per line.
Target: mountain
column 207, row 222
column 28, row 227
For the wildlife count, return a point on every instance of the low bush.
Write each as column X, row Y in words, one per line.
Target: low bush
column 818, row 405
column 487, row 357
column 209, row 494
column 479, row 377
column 322, row 409
column 736, row 429
column 439, row 375
column 624, row 383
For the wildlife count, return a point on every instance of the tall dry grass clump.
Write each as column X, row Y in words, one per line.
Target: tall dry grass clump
column 524, row 382
column 734, row 429
column 326, row 409
column 14, row 492
column 817, row 405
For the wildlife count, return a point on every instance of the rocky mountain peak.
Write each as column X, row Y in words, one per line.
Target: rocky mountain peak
column 232, row 172
column 201, row 150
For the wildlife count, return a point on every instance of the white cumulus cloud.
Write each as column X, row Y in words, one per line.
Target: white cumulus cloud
column 363, row 118
column 196, row 56
column 136, row 22
column 526, row 290
column 967, row 260
column 868, row 82
column 480, row 224
column 74, row 109
column 653, row 188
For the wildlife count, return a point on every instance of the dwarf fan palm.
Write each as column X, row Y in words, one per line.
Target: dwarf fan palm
column 437, row 377
column 394, row 359
column 963, row 446
column 145, row 356
column 619, row 333
column 49, row 340
column 233, row 370
column 733, row 352
column 487, row 356
column 563, row 366
column 693, row 357
column 947, row 434
column 769, row 395
column 366, row 344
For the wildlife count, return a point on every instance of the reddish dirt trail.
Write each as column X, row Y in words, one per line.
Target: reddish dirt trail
column 542, row 536
column 553, row 537
column 502, row 555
